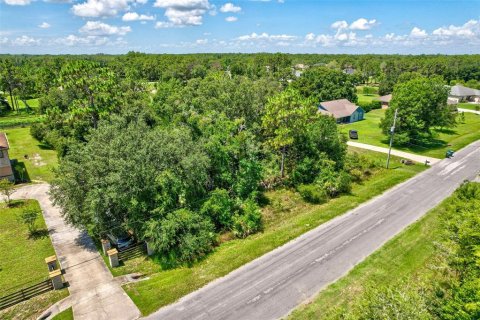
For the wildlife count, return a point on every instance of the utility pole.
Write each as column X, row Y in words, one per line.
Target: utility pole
column 392, row 131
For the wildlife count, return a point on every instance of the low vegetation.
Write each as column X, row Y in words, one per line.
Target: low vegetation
column 429, row 271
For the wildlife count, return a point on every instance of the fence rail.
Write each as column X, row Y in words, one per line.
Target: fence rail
column 25, row 294
column 133, row 251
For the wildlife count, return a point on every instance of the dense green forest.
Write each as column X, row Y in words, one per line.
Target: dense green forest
column 179, row 148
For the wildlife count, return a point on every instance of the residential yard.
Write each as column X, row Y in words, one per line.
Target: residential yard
column 286, row 216
column 41, row 160
column 409, row 257
column 64, row 315
column 22, row 261
column 369, row 132
column 470, row 106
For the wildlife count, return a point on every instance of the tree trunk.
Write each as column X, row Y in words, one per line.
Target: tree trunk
column 12, row 102
column 282, row 164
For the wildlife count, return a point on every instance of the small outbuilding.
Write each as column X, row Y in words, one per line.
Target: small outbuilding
column 6, row 171
column 459, row 93
column 385, row 100
column 342, row 110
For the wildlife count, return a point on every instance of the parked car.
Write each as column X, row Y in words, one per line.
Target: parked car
column 353, row 134
column 121, row 240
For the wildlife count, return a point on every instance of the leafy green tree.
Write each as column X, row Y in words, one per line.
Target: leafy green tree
column 248, row 221
column 7, row 188
column 29, row 218
column 220, row 209
column 9, row 80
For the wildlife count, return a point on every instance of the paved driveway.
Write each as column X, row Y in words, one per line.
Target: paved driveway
column 274, row 284
column 94, row 294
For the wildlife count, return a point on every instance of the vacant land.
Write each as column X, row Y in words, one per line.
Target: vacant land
column 286, row 217
column 40, row 159
column 369, row 132
column 23, row 260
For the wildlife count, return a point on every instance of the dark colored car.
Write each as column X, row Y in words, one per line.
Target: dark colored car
column 121, row 240
column 353, row 134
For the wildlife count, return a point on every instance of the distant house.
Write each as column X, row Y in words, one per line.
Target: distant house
column 5, row 165
column 385, row 100
column 349, row 70
column 342, row 110
column 460, row 93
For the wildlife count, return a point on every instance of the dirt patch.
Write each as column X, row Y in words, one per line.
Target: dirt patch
column 37, row 160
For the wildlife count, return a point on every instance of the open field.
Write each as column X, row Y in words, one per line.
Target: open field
column 23, row 260
column 41, row 160
column 286, row 217
column 463, row 134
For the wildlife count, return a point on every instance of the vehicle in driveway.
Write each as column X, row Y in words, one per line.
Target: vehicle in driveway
column 353, row 134
column 121, row 240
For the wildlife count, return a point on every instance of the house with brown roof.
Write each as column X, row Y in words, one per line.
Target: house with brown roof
column 385, row 100
column 5, row 164
column 342, row 110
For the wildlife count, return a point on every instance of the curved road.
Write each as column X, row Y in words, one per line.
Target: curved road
column 274, row 284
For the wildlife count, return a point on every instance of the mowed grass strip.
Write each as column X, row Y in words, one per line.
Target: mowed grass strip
column 456, row 138
column 40, row 159
column 286, row 217
column 405, row 257
column 470, row 106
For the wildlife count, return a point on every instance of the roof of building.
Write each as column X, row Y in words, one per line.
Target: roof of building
column 385, row 98
column 461, row 91
column 3, row 141
column 338, row 108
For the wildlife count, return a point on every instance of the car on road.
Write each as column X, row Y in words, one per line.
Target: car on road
column 353, row 134
column 121, row 240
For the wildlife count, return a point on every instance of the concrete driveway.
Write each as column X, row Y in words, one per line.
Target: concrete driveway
column 94, row 294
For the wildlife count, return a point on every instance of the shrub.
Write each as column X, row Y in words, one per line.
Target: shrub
column 312, row 193
column 365, row 106
column 29, row 218
column 183, row 235
column 219, row 208
column 248, row 221
column 38, row 131
column 375, row 104
column 334, row 183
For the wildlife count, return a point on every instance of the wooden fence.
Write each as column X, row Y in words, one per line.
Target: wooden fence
column 25, row 294
column 133, row 251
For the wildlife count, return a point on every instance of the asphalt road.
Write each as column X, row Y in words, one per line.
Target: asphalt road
column 274, row 284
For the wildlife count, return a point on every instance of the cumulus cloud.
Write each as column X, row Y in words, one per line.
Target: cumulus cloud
column 17, row 2
column 133, row 16
column 201, row 41
column 3, row 40
column 265, row 36
column 230, row 7
column 470, row 29
column 231, row 19
column 362, row 24
column 342, row 24
column 97, row 28
column 418, row 33
column 103, row 8
column 90, row 41
column 44, row 25
column 25, row 41
column 180, row 13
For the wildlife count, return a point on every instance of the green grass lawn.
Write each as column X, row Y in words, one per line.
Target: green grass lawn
column 64, row 315
column 406, row 257
column 22, row 260
column 456, row 138
column 366, row 98
column 469, row 106
column 41, row 160
column 286, row 217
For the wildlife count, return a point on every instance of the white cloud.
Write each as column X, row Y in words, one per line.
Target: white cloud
column 230, row 7
column 97, row 28
column 201, row 41
column 182, row 13
column 418, row 33
column 231, row 19
column 133, row 16
column 342, row 24
column 17, row 2
column 470, row 29
column 362, row 24
column 44, row 25
column 25, row 41
column 310, row 37
column 3, row 40
column 265, row 36
column 73, row 40
column 100, row 8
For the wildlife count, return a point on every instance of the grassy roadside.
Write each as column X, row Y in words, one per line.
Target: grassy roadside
column 408, row 253
column 456, row 138
column 286, row 217
column 469, row 106
column 22, row 261
column 64, row 315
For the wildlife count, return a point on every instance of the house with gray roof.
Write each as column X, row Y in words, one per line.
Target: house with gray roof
column 460, row 93
column 342, row 110
column 6, row 171
column 385, row 100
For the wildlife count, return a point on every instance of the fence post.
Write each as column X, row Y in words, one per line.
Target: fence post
column 106, row 245
column 56, row 278
column 113, row 257
column 150, row 250
column 51, row 263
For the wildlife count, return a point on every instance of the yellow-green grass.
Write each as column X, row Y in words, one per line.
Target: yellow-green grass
column 22, row 260
column 406, row 257
column 286, row 217
column 64, row 315
column 470, row 106
column 366, row 98
column 463, row 134
column 33, row 103
column 41, row 160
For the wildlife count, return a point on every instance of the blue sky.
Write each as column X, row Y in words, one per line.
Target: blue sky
column 184, row 26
